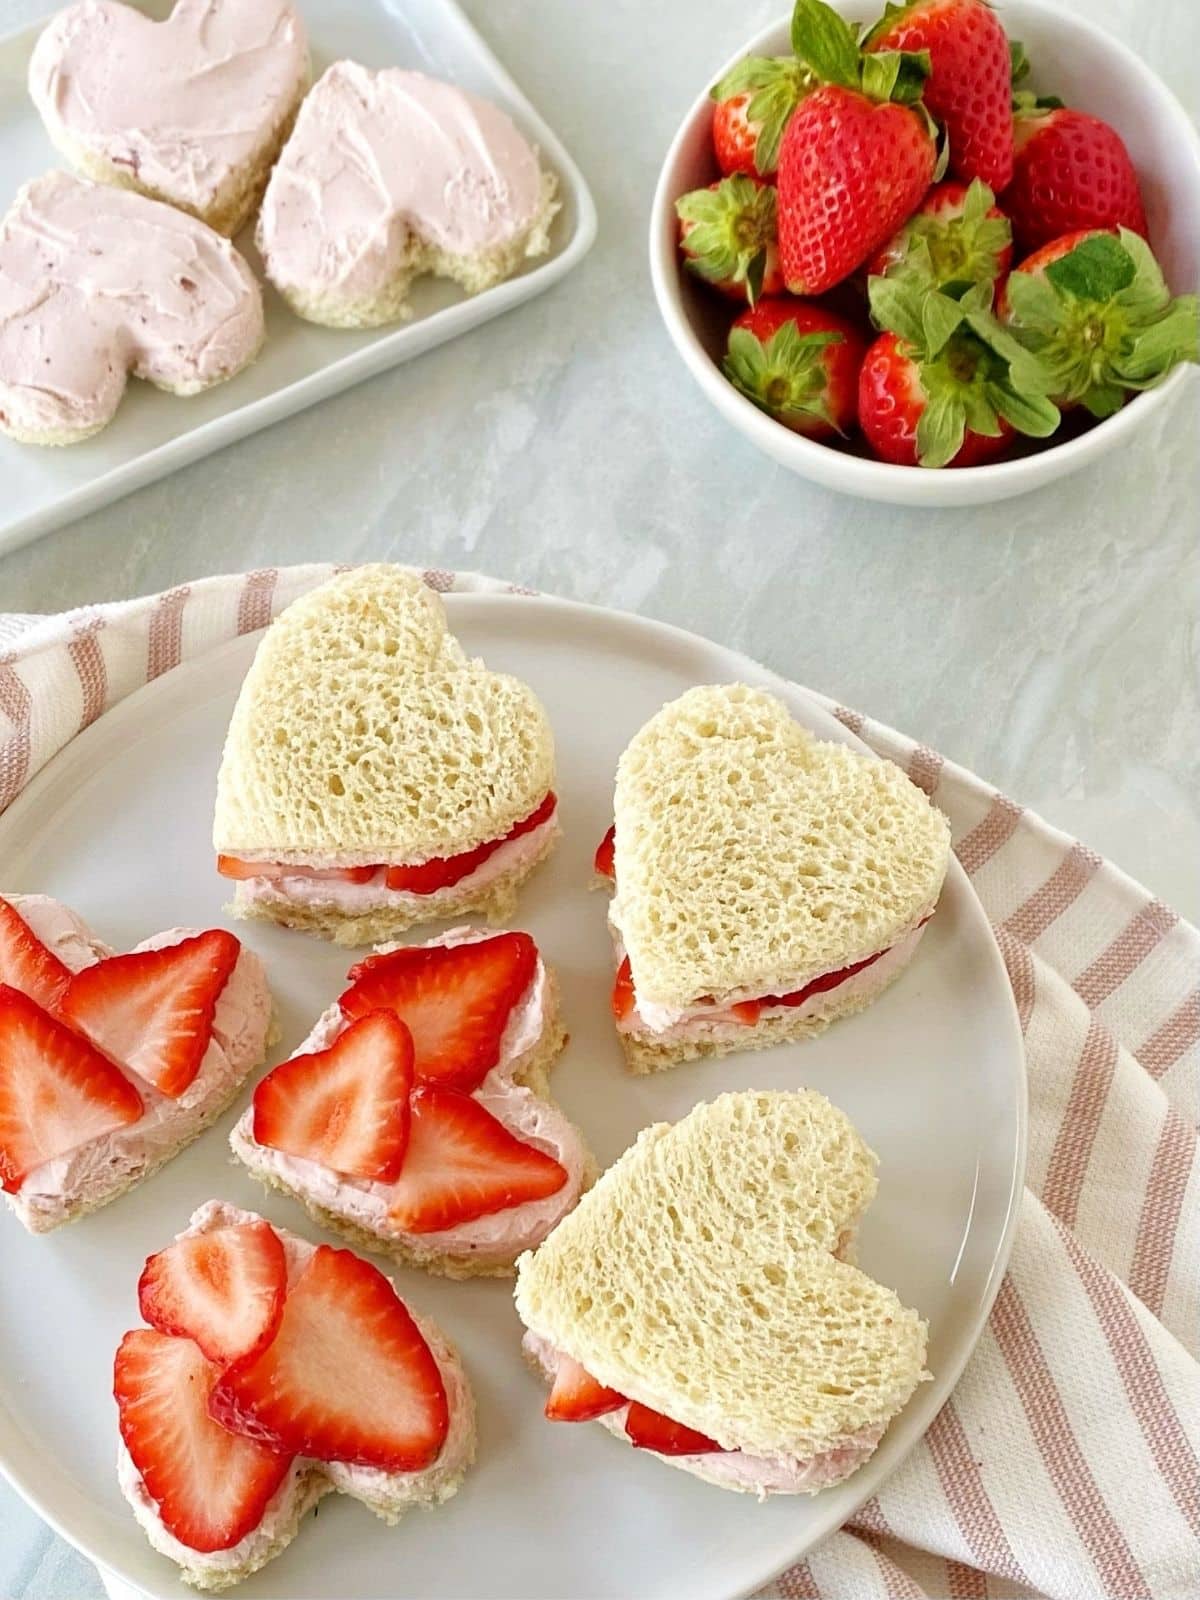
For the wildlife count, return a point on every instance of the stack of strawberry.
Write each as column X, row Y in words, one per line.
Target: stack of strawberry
column 933, row 345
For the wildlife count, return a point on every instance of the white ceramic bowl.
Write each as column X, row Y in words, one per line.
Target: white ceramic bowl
column 1089, row 69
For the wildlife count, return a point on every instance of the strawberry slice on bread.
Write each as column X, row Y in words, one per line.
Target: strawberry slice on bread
column 416, row 1118
column 275, row 1372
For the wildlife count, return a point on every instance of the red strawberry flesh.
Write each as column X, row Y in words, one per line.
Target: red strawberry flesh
column 348, row 1376
column 211, row 1486
column 650, row 1430
column 441, row 872
column 26, row 963
column 224, row 1289
column 235, row 867
column 603, row 861
column 576, row 1396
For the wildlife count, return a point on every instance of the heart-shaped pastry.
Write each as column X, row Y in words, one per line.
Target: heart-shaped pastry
column 701, row 1302
column 96, row 284
column 112, row 1064
column 374, row 776
column 766, row 882
column 415, row 1119
column 192, row 110
column 273, row 1372
column 391, row 174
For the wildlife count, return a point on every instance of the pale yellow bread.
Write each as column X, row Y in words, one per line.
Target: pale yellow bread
column 699, row 1277
column 752, row 857
column 495, row 901
column 364, row 735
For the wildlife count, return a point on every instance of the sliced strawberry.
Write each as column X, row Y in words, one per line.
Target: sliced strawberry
column 348, row 1377
column 442, row 871
column 26, row 964
column 152, row 1010
column 56, row 1090
column 577, row 1397
column 604, row 860
column 235, row 867
column 211, row 1486
column 224, row 1289
column 345, row 1107
column 623, row 998
column 650, row 1430
column 462, row 1163
column 455, row 1000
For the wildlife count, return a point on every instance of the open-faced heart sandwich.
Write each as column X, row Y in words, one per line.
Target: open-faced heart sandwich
column 415, row 1118
column 191, row 110
column 700, row 1302
column 765, row 882
column 96, row 284
column 111, row 1064
column 392, row 174
column 273, row 1372
column 374, row 776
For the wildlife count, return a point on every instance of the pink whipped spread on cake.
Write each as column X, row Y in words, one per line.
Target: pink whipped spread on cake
column 523, row 1113
column 371, row 150
column 292, row 1497
column 240, row 1026
column 758, row 1474
column 183, row 105
column 96, row 282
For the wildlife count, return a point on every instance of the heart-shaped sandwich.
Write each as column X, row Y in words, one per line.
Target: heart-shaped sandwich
column 274, row 1371
column 112, row 1064
column 192, row 110
column 766, row 882
column 701, row 1301
column 96, row 284
column 415, row 1118
column 374, row 776
column 391, row 174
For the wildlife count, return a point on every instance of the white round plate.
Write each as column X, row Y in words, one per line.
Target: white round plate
column 118, row 826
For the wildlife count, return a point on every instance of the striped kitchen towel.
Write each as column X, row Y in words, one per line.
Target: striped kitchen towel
column 1065, row 1465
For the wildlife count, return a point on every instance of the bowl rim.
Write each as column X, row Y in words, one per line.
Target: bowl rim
column 824, row 462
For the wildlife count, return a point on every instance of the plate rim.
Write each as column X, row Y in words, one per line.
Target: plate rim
column 923, row 1407
column 396, row 345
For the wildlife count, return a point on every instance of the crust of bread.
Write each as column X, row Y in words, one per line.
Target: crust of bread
column 473, row 273
column 495, row 901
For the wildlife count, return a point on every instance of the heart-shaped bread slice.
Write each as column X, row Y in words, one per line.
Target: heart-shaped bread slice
column 391, row 174
column 374, row 776
column 274, row 1372
column 416, row 1120
column 191, row 110
column 95, row 284
column 112, row 1064
column 704, row 1284
column 766, row 882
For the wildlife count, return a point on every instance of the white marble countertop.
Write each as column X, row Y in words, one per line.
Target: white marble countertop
column 1048, row 643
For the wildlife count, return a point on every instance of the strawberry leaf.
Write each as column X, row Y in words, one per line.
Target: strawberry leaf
column 786, row 375
column 896, row 308
column 1019, row 60
column 940, row 317
column 1033, row 415
column 825, row 42
column 728, row 231
column 1153, row 351
column 897, row 75
column 1098, row 268
column 941, row 429
column 776, row 85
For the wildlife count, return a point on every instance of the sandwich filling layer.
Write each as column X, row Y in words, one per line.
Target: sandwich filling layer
column 520, row 1111
column 736, row 1469
column 307, row 1480
column 51, row 1193
column 360, row 890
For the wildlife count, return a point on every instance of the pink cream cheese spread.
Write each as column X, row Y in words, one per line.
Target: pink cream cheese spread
column 738, row 1469
column 96, row 283
column 94, row 1170
column 190, row 106
column 376, row 157
column 535, row 1121
column 302, row 1487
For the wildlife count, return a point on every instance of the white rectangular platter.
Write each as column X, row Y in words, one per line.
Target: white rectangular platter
column 154, row 433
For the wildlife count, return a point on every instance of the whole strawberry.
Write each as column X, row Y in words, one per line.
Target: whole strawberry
column 945, row 385
column 857, row 155
column 970, row 74
column 958, row 238
column 754, row 101
column 1095, row 310
column 1070, row 171
column 727, row 236
column 799, row 363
